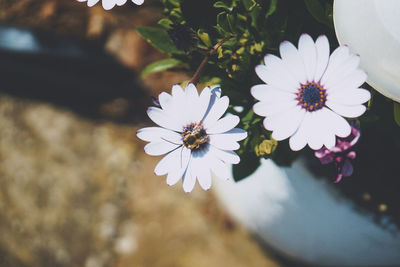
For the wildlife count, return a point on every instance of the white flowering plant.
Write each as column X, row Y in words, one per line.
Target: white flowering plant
column 289, row 88
column 109, row 4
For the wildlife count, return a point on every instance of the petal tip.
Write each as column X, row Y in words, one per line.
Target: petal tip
column 304, row 35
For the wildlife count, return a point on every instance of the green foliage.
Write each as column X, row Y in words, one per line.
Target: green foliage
column 321, row 14
column 396, row 108
column 159, row 39
column 161, row 65
column 246, row 167
column 257, row 27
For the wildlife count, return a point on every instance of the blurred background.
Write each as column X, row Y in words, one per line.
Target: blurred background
column 76, row 188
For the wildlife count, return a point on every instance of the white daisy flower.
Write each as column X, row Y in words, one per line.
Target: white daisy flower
column 108, row 4
column 198, row 141
column 307, row 92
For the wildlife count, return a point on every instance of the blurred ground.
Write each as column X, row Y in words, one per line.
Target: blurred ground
column 79, row 192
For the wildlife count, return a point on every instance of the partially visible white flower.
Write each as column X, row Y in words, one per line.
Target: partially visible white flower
column 383, row 30
column 307, row 92
column 108, row 4
column 198, row 141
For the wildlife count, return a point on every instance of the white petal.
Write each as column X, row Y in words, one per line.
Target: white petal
column 222, row 142
column 308, row 54
column 175, row 160
column 203, row 103
column 174, row 176
column 184, row 157
column 339, row 55
column 204, row 179
column 223, row 125
column 165, row 100
column 159, row 148
column 224, row 155
column 285, row 124
column 92, row 2
column 275, row 65
column 316, row 130
column 326, row 132
column 219, row 168
column 178, row 165
column 300, row 138
column 235, row 134
column 269, row 109
column 346, row 69
column 151, row 134
column 257, row 91
column 201, row 170
column 177, row 91
column 329, row 140
column 216, row 111
column 181, row 110
column 189, row 180
column 268, row 93
column 277, row 77
column 191, row 92
column 322, row 47
column 138, row 2
column 108, row 4
column 346, row 110
column 350, row 96
column 216, row 93
column 275, row 73
column 337, row 123
column 120, row 2
column 292, row 60
column 353, row 80
column 279, row 120
column 186, row 106
column 161, row 118
column 215, row 96
column 329, row 127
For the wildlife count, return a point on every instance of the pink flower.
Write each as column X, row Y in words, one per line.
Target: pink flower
column 341, row 153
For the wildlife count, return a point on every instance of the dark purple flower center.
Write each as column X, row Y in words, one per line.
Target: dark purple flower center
column 311, row 96
column 194, row 136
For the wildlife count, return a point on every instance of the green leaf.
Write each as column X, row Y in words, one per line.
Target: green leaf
column 396, row 108
column 272, row 8
column 159, row 39
column 160, row 65
column 231, row 21
column 221, row 4
column 247, row 166
column 222, row 21
column 318, row 12
column 204, row 37
column 166, row 23
column 249, row 4
column 247, row 118
column 254, row 14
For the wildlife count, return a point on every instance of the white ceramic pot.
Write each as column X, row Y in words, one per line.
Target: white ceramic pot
column 304, row 218
column 371, row 28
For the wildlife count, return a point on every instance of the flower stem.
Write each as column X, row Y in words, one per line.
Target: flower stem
column 204, row 61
